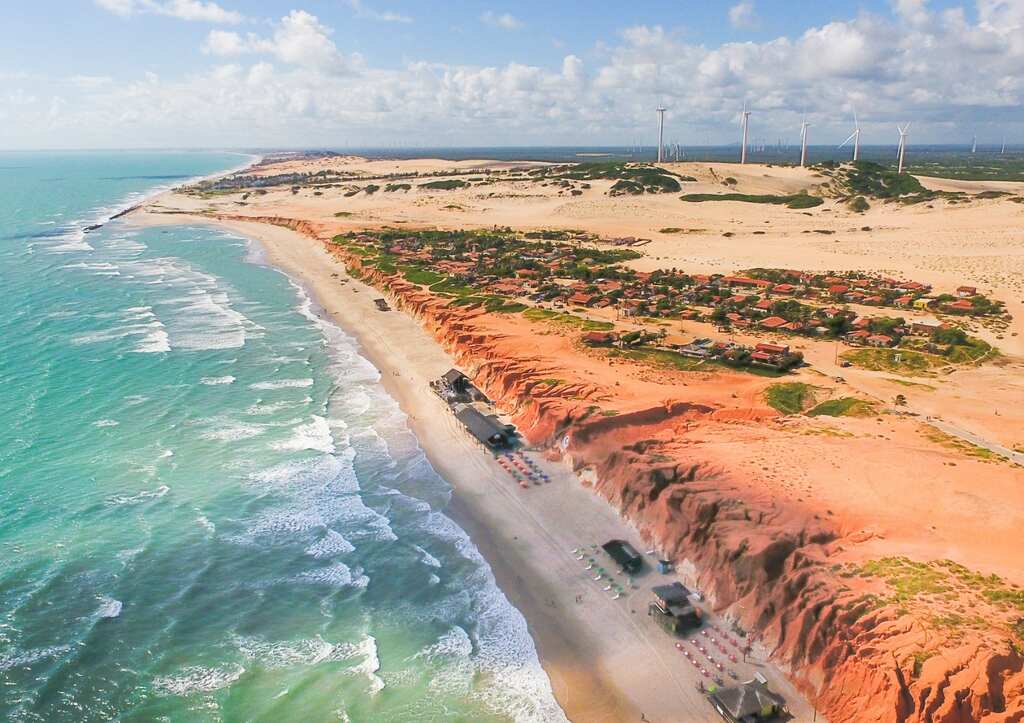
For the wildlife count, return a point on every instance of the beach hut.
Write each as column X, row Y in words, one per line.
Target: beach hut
column 624, row 554
column 672, row 609
column 748, row 702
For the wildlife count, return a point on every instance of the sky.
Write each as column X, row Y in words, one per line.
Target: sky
column 403, row 73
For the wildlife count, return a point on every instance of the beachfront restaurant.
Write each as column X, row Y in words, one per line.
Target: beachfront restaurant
column 672, row 609
column 748, row 702
column 486, row 428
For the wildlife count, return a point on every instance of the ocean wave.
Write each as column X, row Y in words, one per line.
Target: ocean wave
column 331, row 544
column 370, row 665
column 118, row 500
column 232, row 431
column 25, row 658
column 105, row 423
column 201, row 315
column 337, row 574
column 316, row 436
column 197, row 679
column 426, row 558
column 283, row 384
column 109, row 607
column 216, row 381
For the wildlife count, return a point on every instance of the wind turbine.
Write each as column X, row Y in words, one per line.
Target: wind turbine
column 855, row 137
column 744, row 119
column 902, row 150
column 1002, row 149
column 661, row 130
column 974, row 143
column 804, row 125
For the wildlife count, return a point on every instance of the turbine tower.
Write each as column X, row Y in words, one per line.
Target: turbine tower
column 855, row 137
column 803, row 142
column 661, row 130
column 902, row 150
column 744, row 123
column 974, row 143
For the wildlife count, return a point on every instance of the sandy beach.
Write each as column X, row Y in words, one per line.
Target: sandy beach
column 606, row 660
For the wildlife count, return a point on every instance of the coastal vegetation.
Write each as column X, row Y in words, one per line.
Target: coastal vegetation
column 449, row 184
column 797, row 200
column 630, row 178
column 842, row 407
column 789, row 397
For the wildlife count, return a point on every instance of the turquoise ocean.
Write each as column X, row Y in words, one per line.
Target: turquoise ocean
column 210, row 510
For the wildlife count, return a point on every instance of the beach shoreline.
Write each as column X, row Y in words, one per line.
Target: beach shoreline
column 570, row 667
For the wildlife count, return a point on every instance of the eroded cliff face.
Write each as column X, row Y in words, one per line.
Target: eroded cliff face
column 857, row 650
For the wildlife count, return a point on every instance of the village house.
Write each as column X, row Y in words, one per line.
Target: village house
column 966, row 292
column 772, row 323
column 880, row 340
column 924, row 328
column 582, row 299
column 959, row 306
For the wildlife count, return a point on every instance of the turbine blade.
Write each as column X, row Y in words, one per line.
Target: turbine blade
column 852, row 136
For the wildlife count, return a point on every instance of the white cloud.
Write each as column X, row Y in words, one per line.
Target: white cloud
column 301, row 39
column 505, row 21
column 194, row 10
column 742, row 15
column 914, row 12
column 298, row 39
column 224, row 42
column 384, row 16
column 118, row 7
column 90, row 82
column 290, row 84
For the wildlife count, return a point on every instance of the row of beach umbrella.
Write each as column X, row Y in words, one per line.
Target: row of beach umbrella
column 591, row 564
column 523, row 469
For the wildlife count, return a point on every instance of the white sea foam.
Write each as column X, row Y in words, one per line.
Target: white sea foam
column 198, row 680
column 316, row 435
column 370, row 665
column 283, row 384
column 426, row 558
column 337, row 574
column 133, row 321
column 216, row 381
column 261, row 409
column 331, row 544
column 205, row 523
column 201, row 315
column 21, row 659
column 105, row 423
column 109, row 607
column 232, row 431
column 142, row 496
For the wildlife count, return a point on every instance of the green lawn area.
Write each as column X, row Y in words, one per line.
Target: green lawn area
column 912, row 363
column 674, row 360
column 842, row 407
column 559, row 317
column 423, row 277
column 660, row 357
column 789, row 397
column 451, row 288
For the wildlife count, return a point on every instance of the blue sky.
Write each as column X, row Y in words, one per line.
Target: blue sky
column 108, row 73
